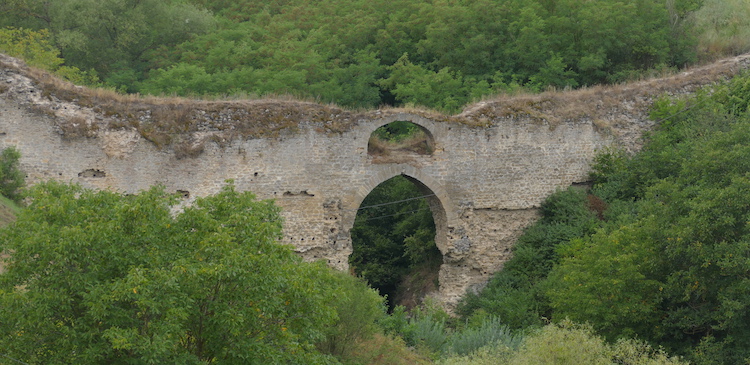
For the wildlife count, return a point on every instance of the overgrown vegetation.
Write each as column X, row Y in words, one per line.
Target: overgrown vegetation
column 399, row 137
column 8, row 211
column 440, row 54
column 657, row 249
column 119, row 278
column 566, row 343
column 37, row 50
column 395, row 242
column 11, row 177
column 663, row 256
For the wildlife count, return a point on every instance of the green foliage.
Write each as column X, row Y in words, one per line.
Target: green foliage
column 488, row 355
column 101, row 34
column 11, row 177
column 389, row 240
column 735, row 96
column 8, row 211
column 445, row 89
column 33, row 46
column 566, row 343
column 358, row 308
column 355, row 53
column 671, row 268
column 723, row 27
column 433, row 332
column 611, row 276
column 383, row 350
column 554, row 73
column 512, row 294
column 608, row 165
column 397, row 131
column 98, row 277
column 180, row 79
column 490, row 331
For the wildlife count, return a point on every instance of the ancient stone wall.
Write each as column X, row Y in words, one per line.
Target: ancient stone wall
column 489, row 170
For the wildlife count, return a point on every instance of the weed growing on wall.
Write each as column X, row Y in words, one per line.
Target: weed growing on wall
column 11, row 177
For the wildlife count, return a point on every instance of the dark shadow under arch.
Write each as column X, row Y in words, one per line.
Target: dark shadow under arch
column 393, row 244
column 440, row 209
column 441, row 205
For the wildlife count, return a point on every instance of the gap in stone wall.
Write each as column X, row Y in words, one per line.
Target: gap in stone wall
column 393, row 240
column 399, row 141
column 92, row 173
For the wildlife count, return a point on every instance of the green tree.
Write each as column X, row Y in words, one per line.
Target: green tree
column 100, row 277
column 351, row 53
column 671, row 267
column 415, row 85
column 35, row 48
column 113, row 35
column 513, row 294
column 11, row 177
column 32, row 46
column 391, row 239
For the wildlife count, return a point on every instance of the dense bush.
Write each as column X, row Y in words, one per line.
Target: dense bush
column 512, row 294
column 358, row 308
column 564, row 344
column 433, row 332
column 672, row 269
column 11, row 177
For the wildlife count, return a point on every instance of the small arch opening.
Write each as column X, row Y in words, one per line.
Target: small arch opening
column 399, row 139
column 393, row 241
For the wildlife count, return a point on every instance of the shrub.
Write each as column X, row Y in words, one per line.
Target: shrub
column 569, row 343
column 512, row 294
column 490, row 331
column 358, row 308
column 11, row 178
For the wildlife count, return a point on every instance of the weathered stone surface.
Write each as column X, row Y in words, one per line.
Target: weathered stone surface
column 489, row 170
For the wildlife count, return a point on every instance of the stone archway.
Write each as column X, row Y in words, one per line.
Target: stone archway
column 404, row 140
column 437, row 199
column 441, row 205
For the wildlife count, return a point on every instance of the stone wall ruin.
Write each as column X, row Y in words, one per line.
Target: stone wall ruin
column 489, row 167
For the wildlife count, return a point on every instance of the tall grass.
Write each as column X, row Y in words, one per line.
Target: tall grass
column 430, row 331
column 8, row 211
column 491, row 331
column 723, row 28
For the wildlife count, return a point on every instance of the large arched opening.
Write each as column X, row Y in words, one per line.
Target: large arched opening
column 398, row 239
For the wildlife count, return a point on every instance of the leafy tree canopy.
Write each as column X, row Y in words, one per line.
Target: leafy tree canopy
column 99, row 277
column 441, row 54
